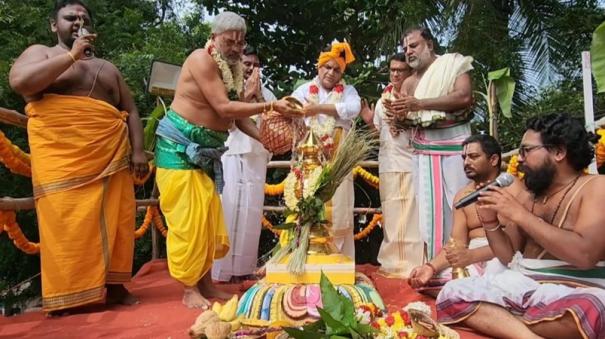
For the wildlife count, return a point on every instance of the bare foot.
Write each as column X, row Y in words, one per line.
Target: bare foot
column 208, row 290
column 119, row 295
column 193, row 299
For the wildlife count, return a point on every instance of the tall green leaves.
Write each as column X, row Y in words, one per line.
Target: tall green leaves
column 505, row 88
column 597, row 54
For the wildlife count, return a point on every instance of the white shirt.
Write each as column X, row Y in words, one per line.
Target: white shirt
column 240, row 142
column 395, row 153
column 348, row 108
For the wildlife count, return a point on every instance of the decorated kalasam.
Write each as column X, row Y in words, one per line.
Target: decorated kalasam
column 279, row 133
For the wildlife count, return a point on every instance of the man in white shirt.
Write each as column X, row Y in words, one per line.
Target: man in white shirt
column 330, row 107
column 245, row 168
column 402, row 247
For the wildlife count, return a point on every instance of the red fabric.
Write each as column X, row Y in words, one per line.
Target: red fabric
column 161, row 313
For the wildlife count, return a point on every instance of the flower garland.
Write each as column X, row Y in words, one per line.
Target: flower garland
column 14, row 158
column 368, row 177
column 158, row 221
column 8, row 222
column 140, row 181
column 600, row 148
column 291, row 183
column 325, row 130
column 139, row 232
column 274, row 189
column 372, row 180
column 376, row 220
column 267, row 224
column 233, row 75
column 513, row 167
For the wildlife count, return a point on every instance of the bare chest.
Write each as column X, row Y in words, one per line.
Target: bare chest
column 94, row 78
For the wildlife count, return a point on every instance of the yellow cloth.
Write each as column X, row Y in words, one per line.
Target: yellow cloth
column 340, row 52
column 196, row 229
column 84, row 197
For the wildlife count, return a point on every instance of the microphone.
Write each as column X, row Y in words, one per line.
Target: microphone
column 503, row 180
column 84, row 31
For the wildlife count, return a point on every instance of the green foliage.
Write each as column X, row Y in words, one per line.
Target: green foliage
column 337, row 317
column 597, row 52
column 505, row 88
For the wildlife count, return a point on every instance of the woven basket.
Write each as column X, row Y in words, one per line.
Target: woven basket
column 279, row 134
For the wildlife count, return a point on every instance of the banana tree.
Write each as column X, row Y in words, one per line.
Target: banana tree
column 499, row 94
column 597, row 54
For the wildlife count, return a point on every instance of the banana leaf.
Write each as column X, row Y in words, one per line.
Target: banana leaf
column 505, row 88
column 151, row 125
column 597, row 55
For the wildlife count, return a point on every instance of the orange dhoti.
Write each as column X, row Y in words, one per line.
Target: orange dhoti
column 84, row 197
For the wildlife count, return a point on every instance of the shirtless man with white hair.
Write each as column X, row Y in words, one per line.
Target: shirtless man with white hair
column 190, row 142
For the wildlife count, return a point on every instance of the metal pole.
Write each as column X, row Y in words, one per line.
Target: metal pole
column 588, row 104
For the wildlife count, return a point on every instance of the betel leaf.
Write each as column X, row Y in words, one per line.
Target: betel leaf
column 505, row 88
column 333, row 326
column 302, row 334
column 597, row 56
column 315, row 327
column 330, row 299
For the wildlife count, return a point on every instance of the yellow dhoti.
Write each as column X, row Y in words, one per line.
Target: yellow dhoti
column 196, row 229
column 84, row 197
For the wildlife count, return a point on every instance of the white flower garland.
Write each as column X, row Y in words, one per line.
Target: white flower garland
column 309, row 187
column 233, row 76
column 325, row 129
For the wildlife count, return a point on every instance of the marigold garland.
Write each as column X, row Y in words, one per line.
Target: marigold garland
column 14, row 158
column 140, row 181
column 158, row 221
column 371, row 179
column 513, row 167
column 376, row 219
column 600, row 148
column 267, row 224
column 8, row 222
column 139, row 232
column 274, row 189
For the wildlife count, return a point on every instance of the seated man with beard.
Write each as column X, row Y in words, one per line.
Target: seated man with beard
column 554, row 247
column 482, row 158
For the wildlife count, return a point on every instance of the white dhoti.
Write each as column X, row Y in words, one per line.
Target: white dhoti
column 439, row 170
column 438, row 166
column 243, row 198
column 340, row 209
column 402, row 247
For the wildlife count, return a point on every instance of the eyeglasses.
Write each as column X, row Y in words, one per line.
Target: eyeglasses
column 398, row 70
column 525, row 149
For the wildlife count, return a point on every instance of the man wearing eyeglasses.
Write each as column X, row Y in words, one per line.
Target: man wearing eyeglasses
column 245, row 164
column 554, row 283
column 402, row 247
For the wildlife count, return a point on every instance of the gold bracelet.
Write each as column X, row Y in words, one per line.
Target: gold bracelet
column 72, row 56
column 493, row 229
